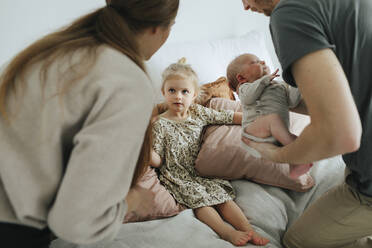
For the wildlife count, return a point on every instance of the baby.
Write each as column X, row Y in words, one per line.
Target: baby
column 265, row 103
column 176, row 144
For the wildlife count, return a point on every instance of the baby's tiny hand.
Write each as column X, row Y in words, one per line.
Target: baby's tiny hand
column 274, row 74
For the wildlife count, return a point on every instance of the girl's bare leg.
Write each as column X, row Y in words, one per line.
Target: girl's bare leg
column 210, row 216
column 273, row 125
column 232, row 213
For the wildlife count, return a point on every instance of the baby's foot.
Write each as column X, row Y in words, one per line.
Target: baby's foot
column 296, row 170
column 257, row 239
column 238, row 238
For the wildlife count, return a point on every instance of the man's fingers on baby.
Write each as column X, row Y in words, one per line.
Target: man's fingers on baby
column 245, row 140
column 249, row 142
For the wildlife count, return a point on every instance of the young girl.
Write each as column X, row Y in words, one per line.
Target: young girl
column 265, row 103
column 176, row 144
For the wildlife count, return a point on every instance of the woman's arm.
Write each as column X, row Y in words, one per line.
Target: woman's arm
column 335, row 126
column 112, row 134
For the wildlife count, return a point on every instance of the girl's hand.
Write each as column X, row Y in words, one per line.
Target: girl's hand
column 274, row 74
column 267, row 150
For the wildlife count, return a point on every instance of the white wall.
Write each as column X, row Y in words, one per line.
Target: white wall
column 24, row 21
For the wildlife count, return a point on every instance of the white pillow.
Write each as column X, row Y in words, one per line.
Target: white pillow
column 208, row 58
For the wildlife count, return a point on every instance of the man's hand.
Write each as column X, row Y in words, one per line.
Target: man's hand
column 267, row 150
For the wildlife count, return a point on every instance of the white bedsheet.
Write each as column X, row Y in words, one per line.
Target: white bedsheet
column 269, row 209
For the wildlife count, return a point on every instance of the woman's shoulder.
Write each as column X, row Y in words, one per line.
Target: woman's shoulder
column 115, row 70
column 114, row 81
column 112, row 60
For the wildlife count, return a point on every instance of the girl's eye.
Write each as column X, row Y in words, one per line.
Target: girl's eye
column 171, row 90
column 185, row 91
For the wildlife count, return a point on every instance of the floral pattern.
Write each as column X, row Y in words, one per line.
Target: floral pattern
column 178, row 144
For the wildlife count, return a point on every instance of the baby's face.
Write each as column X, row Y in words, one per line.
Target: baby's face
column 252, row 68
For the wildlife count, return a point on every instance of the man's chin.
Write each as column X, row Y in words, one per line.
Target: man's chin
column 267, row 12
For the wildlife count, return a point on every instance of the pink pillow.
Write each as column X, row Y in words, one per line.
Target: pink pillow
column 221, row 154
column 164, row 203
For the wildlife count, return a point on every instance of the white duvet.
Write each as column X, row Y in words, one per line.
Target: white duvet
column 270, row 210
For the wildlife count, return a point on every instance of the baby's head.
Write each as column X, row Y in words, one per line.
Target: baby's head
column 245, row 68
column 180, row 84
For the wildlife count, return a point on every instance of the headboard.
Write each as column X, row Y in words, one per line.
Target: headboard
column 209, row 59
column 210, row 33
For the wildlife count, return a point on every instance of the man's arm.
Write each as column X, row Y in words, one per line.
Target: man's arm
column 335, row 126
column 300, row 108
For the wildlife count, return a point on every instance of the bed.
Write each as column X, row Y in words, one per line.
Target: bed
column 270, row 209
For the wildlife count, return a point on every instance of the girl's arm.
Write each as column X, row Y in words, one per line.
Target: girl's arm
column 237, row 119
column 155, row 160
column 158, row 145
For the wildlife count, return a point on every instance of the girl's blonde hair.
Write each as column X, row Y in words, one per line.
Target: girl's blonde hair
column 181, row 69
column 116, row 25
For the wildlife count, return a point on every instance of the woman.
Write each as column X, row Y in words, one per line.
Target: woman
column 70, row 144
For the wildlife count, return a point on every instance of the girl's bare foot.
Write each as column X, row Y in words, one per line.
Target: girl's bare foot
column 296, row 170
column 238, row 238
column 257, row 239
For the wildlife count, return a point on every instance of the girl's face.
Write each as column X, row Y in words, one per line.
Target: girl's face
column 179, row 93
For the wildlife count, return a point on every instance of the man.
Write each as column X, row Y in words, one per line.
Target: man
column 325, row 49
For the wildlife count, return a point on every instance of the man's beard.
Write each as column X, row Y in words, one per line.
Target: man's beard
column 267, row 3
column 264, row 1
column 267, row 12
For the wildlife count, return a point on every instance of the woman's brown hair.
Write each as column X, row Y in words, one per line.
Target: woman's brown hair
column 115, row 25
